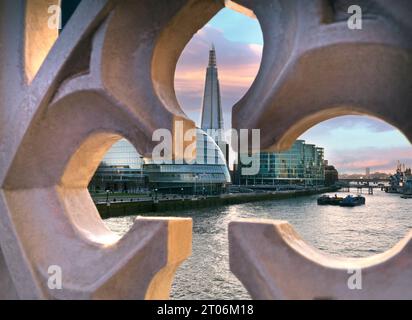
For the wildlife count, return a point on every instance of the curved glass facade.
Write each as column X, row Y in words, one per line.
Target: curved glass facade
column 207, row 175
column 121, row 170
column 122, row 155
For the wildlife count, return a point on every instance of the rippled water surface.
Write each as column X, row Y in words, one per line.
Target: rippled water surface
column 351, row 232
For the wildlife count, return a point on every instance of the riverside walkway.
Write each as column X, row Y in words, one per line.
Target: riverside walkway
column 124, row 206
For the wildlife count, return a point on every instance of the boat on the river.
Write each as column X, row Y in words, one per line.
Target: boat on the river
column 328, row 200
column 398, row 183
column 351, row 201
column 407, row 189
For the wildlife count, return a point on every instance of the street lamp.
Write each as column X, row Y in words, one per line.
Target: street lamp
column 141, row 172
column 203, row 182
column 107, row 197
column 196, row 178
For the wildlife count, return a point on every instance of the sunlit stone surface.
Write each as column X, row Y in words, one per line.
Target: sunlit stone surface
column 60, row 113
column 110, row 75
column 315, row 68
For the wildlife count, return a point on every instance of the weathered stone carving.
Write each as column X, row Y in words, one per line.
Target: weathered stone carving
column 273, row 262
column 315, row 68
column 65, row 100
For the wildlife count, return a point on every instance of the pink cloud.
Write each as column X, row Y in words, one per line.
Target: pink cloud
column 378, row 159
column 238, row 65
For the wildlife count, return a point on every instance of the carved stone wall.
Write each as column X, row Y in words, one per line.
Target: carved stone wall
column 66, row 99
column 315, row 68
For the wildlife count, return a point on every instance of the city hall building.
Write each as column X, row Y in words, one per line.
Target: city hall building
column 121, row 170
column 208, row 175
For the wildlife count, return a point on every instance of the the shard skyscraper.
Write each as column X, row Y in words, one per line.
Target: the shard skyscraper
column 212, row 117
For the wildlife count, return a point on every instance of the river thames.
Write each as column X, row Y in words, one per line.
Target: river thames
column 351, row 232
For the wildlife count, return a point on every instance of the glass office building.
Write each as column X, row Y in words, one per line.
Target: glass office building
column 121, row 170
column 301, row 165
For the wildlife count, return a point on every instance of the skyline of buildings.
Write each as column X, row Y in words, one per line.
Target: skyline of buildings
column 275, row 167
column 124, row 170
column 351, row 143
column 210, row 172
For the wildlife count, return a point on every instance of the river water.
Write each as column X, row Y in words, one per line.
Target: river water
column 350, row 232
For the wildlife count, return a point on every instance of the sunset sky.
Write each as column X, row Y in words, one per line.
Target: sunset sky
column 352, row 143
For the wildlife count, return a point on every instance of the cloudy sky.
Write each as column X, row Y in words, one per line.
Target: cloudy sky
column 352, row 143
